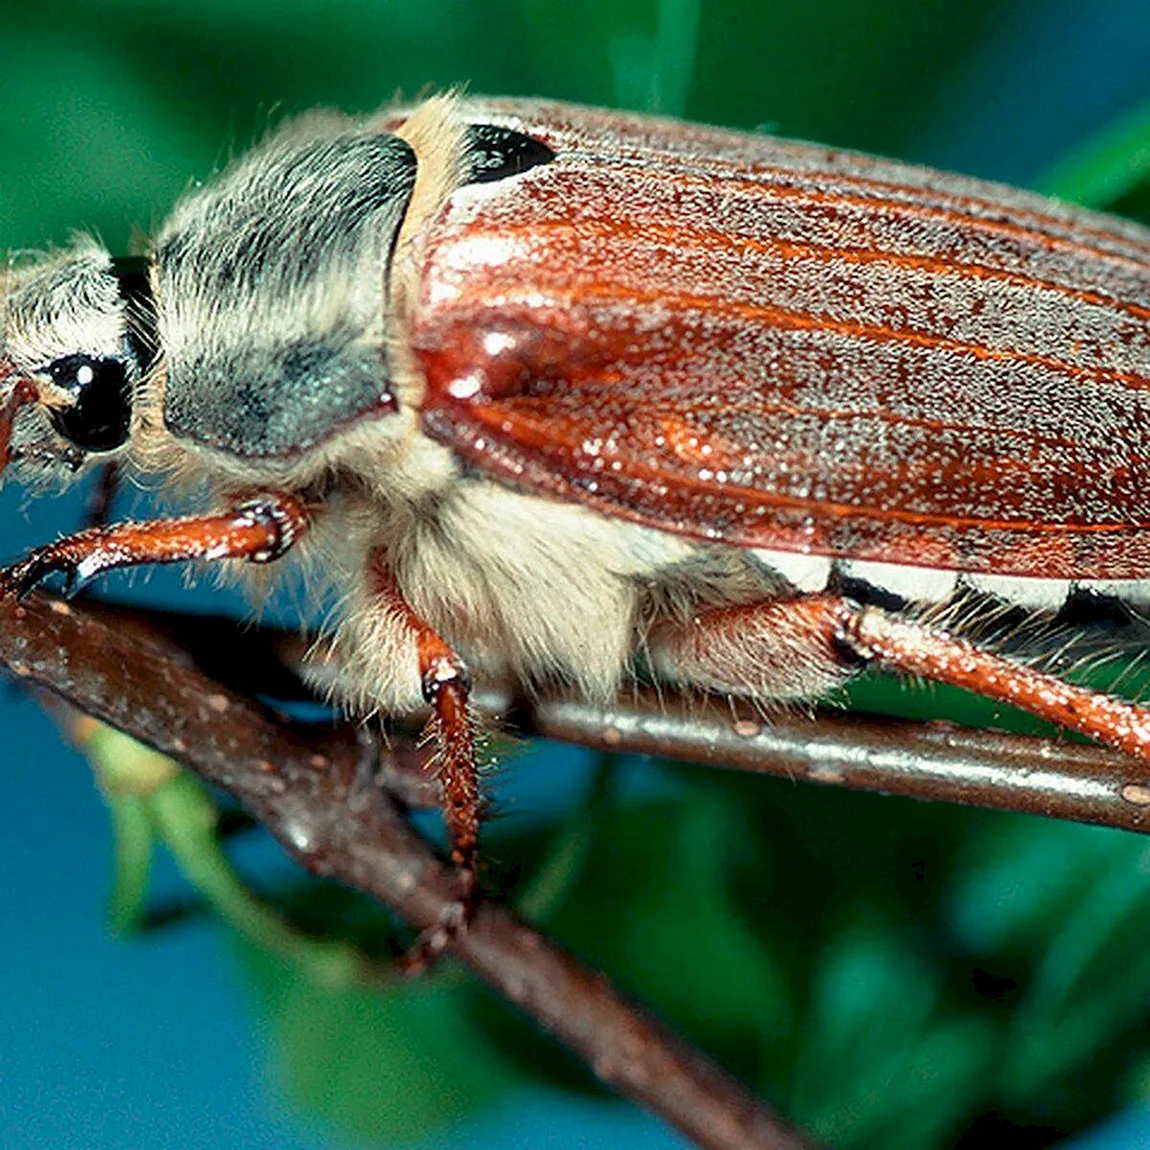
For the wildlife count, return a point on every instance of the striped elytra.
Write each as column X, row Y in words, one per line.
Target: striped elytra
column 786, row 346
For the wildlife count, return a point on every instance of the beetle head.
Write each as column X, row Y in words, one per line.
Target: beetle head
column 266, row 305
column 269, row 312
column 68, row 362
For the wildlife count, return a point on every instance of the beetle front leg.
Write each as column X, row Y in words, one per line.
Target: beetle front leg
column 799, row 648
column 260, row 528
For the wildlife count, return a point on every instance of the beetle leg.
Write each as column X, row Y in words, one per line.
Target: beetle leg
column 920, row 650
column 770, row 649
column 446, row 687
column 260, row 528
column 799, row 648
column 23, row 393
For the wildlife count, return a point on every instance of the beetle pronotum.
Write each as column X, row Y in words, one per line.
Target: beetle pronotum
column 577, row 394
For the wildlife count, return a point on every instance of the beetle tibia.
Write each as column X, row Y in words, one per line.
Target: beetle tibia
column 447, row 687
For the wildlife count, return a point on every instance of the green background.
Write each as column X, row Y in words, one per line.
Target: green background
column 112, row 106
column 891, row 974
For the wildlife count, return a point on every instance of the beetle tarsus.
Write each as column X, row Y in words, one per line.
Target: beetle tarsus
column 22, row 579
column 431, row 944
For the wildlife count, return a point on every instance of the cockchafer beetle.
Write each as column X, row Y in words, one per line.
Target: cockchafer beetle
column 576, row 394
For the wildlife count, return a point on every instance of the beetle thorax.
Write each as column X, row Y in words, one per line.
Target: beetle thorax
column 271, row 293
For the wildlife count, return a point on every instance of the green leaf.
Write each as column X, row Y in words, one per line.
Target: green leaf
column 880, row 1062
column 1106, row 168
column 656, row 909
column 568, row 851
column 133, row 840
column 835, row 70
column 1062, row 911
column 1018, row 883
column 676, row 49
column 394, row 1065
column 129, row 775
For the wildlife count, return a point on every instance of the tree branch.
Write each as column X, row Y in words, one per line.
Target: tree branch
column 937, row 761
column 305, row 788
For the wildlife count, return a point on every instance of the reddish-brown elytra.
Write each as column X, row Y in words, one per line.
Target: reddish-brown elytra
column 575, row 394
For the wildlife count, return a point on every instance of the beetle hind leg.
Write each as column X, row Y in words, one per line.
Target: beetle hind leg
column 801, row 648
column 917, row 649
column 775, row 649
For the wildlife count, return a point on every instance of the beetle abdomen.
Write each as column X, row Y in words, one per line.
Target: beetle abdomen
column 910, row 584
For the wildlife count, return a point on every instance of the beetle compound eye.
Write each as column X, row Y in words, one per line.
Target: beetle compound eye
column 497, row 153
column 100, row 417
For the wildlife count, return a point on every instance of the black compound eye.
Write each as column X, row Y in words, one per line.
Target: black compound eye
column 100, row 418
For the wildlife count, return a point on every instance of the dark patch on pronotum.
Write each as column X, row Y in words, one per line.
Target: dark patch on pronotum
column 133, row 277
column 305, row 213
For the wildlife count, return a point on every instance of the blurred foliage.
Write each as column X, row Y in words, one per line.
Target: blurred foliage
column 1110, row 171
column 887, row 973
column 893, row 975
column 112, row 105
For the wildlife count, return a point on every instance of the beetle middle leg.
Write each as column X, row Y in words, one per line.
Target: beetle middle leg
column 800, row 648
column 446, row 687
